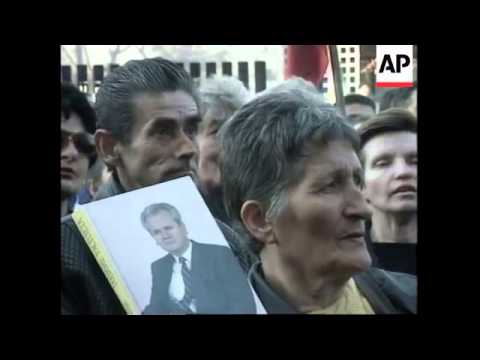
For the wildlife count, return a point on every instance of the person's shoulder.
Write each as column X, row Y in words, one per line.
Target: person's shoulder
column 211, row 247
column 393, row 276
column 67, row 221
column 70, row 232
column 401, row 283
column 163, row 261
column 71, row 242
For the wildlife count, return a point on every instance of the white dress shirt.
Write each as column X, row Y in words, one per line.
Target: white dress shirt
column 176, row 290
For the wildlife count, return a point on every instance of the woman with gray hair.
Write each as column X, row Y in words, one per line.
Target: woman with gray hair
column 293, row 181
column 220, row 98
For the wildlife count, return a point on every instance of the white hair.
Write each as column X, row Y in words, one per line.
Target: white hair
column 225, row 91
column 295, row 83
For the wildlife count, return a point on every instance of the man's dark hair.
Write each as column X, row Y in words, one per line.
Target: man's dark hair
column 74, row 101
column 396, row 98
column 114, row 100
column 359, row 99
column 391, row 120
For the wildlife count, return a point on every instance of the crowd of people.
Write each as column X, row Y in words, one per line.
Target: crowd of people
column 319, row 209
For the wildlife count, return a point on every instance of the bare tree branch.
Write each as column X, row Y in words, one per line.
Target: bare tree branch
column 67, row 54
column 162, row 51
column 141, row 50
column 114, row 53
column 89, row 65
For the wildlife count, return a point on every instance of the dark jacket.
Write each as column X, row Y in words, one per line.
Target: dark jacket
column 214, row 201
column 387, row 292
column 219, row 285
column 397, row 257
column 84, row 287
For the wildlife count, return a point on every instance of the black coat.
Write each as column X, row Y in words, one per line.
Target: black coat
column 219, row 285
column 397, row 257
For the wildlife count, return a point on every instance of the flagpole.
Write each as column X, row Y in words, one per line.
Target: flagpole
column 337, row 79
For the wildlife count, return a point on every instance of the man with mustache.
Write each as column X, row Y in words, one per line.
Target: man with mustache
column 148, row 115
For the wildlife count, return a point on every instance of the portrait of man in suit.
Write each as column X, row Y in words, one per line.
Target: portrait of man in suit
column 193, row 278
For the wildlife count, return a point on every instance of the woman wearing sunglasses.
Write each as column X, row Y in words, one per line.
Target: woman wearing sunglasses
column 77, row 144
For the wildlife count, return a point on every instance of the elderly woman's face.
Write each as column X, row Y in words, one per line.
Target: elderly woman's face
column 209, row 149
column 321, row 231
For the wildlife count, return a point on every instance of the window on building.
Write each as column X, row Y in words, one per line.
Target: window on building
column 352, row 89
column 352, row 49
column 352, row 69
column 343, row 60
column 342, row 50
column 352, row 60
column 344, row 70
column 352, row 79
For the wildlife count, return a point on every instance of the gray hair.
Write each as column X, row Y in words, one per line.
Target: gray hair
column 224, row 94
column 156, row 208
column 114, row 99
column 293, row 83
column 264, row 145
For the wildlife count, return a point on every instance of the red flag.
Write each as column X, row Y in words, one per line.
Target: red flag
column 307, row 61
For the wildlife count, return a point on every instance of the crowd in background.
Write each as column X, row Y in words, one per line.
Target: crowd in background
column 323, row 207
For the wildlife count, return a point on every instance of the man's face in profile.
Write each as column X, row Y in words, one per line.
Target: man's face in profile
column 171, row 236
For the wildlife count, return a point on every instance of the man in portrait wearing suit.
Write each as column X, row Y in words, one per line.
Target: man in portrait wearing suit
column 192, row 278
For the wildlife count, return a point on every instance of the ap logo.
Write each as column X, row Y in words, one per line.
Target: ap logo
column 394, row 66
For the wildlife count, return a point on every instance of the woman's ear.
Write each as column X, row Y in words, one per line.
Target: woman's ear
column 107, row 147
column 254, row 219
